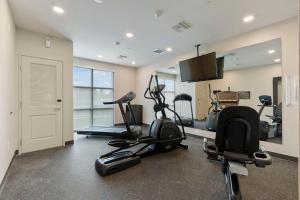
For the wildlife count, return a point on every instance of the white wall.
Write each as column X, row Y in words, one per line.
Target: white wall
column 124, row 79
column 8, row 133
column 288, row 32
column 33, row 44
column 257, row 80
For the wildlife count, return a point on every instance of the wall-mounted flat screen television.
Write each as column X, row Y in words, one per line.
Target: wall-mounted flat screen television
column 202, row 68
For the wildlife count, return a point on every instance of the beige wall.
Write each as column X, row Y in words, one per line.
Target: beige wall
column 257, row 80
column 33, row 44
column 288, row 32
column 124, row 79
column 8, row 110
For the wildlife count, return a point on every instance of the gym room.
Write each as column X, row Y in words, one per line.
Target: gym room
column 142, row 100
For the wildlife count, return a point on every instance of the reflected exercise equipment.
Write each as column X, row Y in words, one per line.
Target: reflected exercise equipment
column 186, row 121
column 267, row 130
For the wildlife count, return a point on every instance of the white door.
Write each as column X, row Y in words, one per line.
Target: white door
column 41, row 104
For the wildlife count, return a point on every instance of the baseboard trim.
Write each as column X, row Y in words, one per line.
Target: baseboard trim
column 277, row 155
column 285, row 157
column 69, row 142
column 119, row 124
column 6, row 173
column 194, row 136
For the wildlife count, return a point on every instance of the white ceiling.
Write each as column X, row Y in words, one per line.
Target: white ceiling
column 94, row 28
column 245, row 57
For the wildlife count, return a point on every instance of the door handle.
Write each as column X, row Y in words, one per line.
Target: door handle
column 59, row 100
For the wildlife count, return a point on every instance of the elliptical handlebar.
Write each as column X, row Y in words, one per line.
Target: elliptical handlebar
column 155, row 94
column 148, row 90
column 214, row 102
column 160, row 90
column 209, row 88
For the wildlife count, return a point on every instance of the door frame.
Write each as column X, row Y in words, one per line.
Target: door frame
column 19, row 99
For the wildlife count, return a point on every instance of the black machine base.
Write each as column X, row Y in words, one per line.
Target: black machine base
column 115, row 163
column 232, row 183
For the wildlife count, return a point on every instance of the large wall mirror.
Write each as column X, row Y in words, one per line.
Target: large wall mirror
column 252, row 77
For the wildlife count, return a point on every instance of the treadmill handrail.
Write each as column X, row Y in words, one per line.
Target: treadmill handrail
column 124, row 99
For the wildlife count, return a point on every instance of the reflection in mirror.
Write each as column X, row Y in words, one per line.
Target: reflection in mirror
column 252, row 77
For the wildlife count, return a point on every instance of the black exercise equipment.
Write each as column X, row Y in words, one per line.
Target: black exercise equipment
column 164, row 135
column 129, row 131
column 186, row 121
column 270, row 130
column 213, row 111
column 237, row 144
column 138, row 114
column 223, row 99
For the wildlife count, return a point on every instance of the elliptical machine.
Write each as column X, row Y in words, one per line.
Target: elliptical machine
column 213, row 111
column 164, row 135
column 223, row 99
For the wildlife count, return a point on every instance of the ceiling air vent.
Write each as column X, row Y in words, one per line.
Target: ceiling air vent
column 181, row 26
column 159, row 51
column 122, row 57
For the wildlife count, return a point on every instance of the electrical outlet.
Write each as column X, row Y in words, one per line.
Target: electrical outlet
column 47, row 42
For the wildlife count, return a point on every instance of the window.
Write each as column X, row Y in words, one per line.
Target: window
column 90, row 89
column 168, row 92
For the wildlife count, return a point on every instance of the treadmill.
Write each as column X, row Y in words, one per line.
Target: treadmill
column 186, row 121
column 128, row 131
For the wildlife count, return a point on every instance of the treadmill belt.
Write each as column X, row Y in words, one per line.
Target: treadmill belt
column 100, row 130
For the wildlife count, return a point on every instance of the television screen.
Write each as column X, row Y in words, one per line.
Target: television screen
column 220, row 67
column 201, row 68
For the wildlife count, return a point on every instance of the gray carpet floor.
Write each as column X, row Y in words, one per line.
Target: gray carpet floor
column 68, row 174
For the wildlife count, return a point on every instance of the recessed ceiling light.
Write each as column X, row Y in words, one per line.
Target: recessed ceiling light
column 129, row 35
column 277, row 60
column 169, row 49
column 133, row 62
column 98, row 1
column 58, row 9
column 99, row 56
column 271, row 51
column 248, row 18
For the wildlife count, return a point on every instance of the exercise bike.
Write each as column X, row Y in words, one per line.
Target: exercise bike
column 237, row 145
column 164, row 135
column 266, row 129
